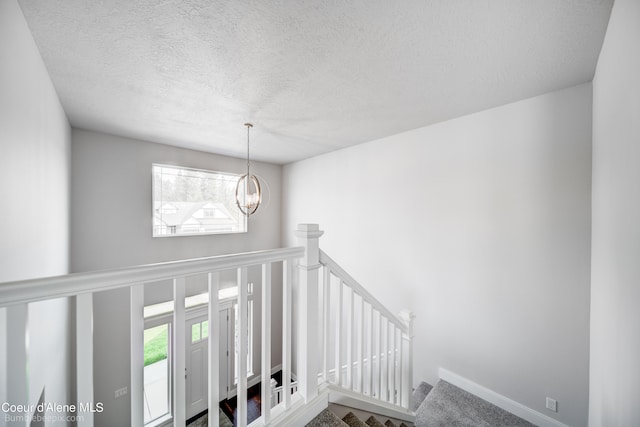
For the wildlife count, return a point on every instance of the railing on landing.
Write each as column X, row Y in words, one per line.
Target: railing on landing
column 345, row 337
column 367, row 349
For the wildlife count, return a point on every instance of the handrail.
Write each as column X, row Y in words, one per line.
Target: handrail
column 26, row 291
column 377, row 355
column 338, row 271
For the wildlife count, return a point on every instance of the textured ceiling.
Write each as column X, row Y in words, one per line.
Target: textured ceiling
column 313, row 76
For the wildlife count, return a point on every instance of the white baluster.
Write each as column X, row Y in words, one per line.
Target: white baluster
column 327, row 322
column 339, row 335
column 84, row 359
column 399, row 365
column 286, row 330
column 17, row 330
column 371, row 350
column 380, row 356
column 392, row 363
column 362, row 344
column 273, row 384
column 350, row 341
column 3, row 359
column 179, row 341
column 266, row 343
column 213, row 343
column 84, row 313
column 243, row 334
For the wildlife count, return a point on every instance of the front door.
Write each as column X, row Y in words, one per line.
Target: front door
column 196, row 362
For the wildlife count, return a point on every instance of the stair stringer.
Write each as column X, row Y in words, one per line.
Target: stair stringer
column 300, row 414
column 351, row 399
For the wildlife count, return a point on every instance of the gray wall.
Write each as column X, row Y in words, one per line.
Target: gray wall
column 481, row 225
column 35, row 140
column 615, row 282
column 111, row 227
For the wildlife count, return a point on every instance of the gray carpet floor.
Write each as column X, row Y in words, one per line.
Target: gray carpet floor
column 450, row 406
column 353, row 421
column 327, row 418
column 419, row 394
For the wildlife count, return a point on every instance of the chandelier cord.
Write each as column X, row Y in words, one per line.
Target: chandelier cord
column 249, row 126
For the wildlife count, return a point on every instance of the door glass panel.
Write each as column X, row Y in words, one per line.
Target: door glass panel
column 195, row 332
column 205, row 329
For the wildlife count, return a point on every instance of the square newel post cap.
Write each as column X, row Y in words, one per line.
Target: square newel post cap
column 407, row 317
column 309, row 237
column 309, row 231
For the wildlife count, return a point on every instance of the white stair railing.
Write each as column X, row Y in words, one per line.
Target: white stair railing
column 367, row 349
column 277, row 392
column 17, row 295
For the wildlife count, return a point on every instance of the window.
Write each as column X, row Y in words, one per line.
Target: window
column 199, row 331
column 193, row 201
column 157, row 372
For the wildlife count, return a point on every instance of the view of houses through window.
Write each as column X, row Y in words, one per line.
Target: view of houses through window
column 193, row 201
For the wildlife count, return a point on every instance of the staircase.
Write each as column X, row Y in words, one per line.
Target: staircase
column 326, row 418
column 444, row 405
column 350, row 349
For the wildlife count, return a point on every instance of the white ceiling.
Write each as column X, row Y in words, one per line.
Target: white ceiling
column 313, row 76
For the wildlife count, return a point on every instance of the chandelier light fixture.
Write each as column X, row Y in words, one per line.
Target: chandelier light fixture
column 248, row 192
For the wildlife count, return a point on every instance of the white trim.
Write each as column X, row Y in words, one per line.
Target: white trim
column 298, row 413
column 136, row 353
column 179, row 342
column 352, row 399
column 84, row 357
column 26, row 291
column 287, row 313
column 265, row 347
column 243, row 348
column 3, row 358
column 17, row 317
column 499, row 400
column 213, row 342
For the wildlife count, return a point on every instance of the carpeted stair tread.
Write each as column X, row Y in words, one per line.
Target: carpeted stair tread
column 373, row 422
column 449, row 406
column 353, row 421
column 390, row 423
column 326, row 418
column 419, row 394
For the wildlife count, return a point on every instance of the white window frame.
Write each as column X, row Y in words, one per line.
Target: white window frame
column 149, row 323
column 171, row 230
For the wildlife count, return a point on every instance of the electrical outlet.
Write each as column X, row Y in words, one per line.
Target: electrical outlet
column 552, row 404
column 121, row 392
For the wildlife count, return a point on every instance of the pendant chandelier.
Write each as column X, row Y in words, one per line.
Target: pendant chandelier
column 248, row 193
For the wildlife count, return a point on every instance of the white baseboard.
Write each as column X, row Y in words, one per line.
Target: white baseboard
column 499, row 400
column 300, row 414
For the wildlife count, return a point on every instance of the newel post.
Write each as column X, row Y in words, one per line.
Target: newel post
column 407, row 318
column 308, row 327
